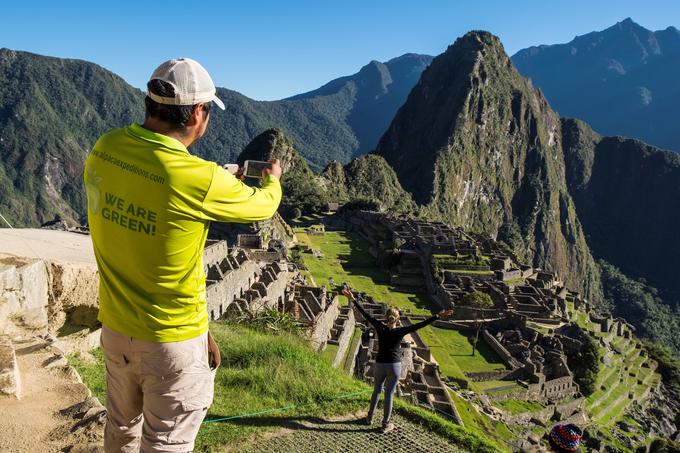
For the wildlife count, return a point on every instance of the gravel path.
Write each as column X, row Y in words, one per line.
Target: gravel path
column 352, row 436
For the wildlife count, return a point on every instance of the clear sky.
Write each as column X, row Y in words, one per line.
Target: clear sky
column 273, row 49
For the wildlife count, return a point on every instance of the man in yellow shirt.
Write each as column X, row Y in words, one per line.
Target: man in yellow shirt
column 150, row 204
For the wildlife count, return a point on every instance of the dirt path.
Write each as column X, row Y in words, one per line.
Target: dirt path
column 33, row 423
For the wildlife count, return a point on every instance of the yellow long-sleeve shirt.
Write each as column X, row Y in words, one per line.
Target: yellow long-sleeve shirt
column 150, row 204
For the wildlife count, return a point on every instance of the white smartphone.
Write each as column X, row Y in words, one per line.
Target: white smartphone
column 231, row 168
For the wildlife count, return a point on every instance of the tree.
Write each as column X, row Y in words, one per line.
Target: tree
column 478, row 300
column 585, row 365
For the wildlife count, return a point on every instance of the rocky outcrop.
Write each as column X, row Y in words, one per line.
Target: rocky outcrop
column 10, row 380
column 367, row 178
column 23, row 294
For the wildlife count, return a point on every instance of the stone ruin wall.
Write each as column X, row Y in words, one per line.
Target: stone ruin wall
column 45, row 296
column 550, row 413
column 323, row 323
column 341, row 334
column 499, row 349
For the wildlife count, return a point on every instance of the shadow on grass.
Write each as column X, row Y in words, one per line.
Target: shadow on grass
column 483, row 349
column 299, row 423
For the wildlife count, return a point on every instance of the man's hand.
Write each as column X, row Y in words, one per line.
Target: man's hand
column 214, row 356
column 347, row 293
column 445, row 313
column 275, row 169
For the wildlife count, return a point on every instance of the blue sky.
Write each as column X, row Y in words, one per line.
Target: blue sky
column 270, row 50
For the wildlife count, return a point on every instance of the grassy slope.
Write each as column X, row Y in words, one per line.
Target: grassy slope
column 346, row 258
column 91, row 369
column 260, row 372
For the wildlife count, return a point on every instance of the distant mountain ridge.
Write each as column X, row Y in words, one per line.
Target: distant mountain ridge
column 624, row 80
column 342, row 119
column 379, row 89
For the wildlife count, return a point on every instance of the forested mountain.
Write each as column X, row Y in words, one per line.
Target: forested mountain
column 366, row 179
column 627, row 197
column 52, row 110
column 622, row 81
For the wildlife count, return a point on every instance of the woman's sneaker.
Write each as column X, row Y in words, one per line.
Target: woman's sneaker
column 368, row 420
column 387, row 427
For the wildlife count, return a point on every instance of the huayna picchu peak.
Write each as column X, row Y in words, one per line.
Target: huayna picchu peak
column 480, row 147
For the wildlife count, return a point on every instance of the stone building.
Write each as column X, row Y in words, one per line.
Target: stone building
column 536, row 359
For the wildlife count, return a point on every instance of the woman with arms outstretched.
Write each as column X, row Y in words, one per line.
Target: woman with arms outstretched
column 388, row 362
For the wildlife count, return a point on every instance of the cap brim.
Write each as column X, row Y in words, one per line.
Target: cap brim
column 218, row 101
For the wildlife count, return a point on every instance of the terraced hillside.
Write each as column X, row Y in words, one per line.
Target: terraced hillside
column 628, row 378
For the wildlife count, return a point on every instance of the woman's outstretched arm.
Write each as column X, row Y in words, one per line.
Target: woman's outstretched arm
column 374, row 322
column 419, row 325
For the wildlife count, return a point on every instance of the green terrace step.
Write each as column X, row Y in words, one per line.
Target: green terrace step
column 632, row 354
column 614, row 413
column 597, row 398
column 503, row 388
column 621, row 343
column 604, row 406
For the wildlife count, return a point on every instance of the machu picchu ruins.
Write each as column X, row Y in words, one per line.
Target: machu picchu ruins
column 534, row 326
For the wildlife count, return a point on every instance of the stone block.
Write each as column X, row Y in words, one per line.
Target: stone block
column 10, row 380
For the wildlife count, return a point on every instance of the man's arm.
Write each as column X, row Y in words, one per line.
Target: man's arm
column 230, row 200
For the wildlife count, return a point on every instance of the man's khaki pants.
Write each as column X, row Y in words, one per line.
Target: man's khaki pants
column 157, row 393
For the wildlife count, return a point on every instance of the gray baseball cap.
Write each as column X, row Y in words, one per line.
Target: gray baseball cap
column 191, row 82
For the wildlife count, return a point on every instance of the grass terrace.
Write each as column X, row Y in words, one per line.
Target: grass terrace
column 460, row 260
column 469, row 271
column 519, row 406
column 453, row 351
column 480, row 423
column 346, row 258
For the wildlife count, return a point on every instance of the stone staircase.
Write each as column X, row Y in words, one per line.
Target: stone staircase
column 42, row 391
column 339, row 326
